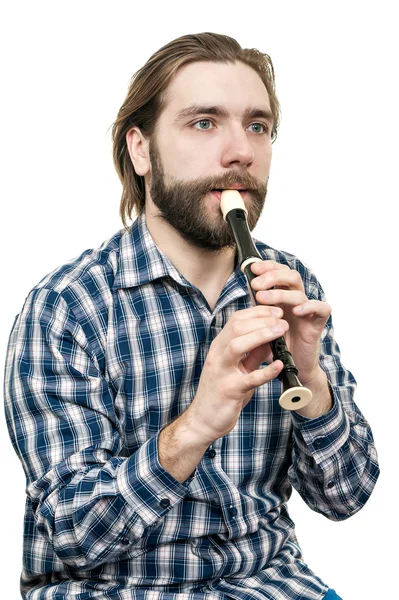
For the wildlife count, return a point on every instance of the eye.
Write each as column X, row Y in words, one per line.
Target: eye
column 204, row 124
column 260, row 126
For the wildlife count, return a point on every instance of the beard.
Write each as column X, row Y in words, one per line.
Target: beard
column 183, row 204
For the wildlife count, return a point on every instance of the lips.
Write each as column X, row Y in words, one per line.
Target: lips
column 217, row 193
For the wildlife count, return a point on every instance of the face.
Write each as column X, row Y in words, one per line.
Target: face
column 214, row 134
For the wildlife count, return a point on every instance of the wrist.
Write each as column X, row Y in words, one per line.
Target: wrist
column 180, row 449
column 195, row 434
column 322, row 399
column 315, row 379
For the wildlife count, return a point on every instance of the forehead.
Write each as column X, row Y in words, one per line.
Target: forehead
column 233, row 85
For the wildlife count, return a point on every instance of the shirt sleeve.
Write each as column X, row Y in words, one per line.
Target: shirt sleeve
column 88, row 501
column 334, row 459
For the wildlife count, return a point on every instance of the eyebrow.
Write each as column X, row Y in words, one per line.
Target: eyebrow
column 198, row 109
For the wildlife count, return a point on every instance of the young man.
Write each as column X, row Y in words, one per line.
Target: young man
column 158, row 459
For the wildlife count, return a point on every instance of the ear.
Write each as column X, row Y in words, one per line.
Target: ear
column 137, row 146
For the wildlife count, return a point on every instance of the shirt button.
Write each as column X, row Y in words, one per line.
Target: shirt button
column 318, row 442
column 232, row 511
column 125, row 542
column 330, row 484
column 211, row 453
column 165, row 502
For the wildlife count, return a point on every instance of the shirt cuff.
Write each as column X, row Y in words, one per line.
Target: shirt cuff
column 146, row 486
column 323, row 436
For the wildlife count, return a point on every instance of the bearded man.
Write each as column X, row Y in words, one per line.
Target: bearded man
column 141, row 390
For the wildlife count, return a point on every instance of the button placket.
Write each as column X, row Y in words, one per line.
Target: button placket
column 211, row 451
column 318, row 442
column 233, row 511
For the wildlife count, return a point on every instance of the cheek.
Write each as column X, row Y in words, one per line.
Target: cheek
column 186, row 161
column 263, row 160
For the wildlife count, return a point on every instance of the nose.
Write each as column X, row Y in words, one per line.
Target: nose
column 237, row 150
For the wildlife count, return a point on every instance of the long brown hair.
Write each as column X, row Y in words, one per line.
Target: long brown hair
column 145, row 99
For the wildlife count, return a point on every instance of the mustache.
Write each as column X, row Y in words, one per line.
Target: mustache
column 207, row 184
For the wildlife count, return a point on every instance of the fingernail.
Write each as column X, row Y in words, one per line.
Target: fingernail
column 276, row 311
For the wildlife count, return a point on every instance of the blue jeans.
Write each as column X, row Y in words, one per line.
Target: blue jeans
column 332, row 595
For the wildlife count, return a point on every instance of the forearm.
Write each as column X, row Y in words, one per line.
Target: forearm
column 181, row 447
column 103, row 510
column 334, row 461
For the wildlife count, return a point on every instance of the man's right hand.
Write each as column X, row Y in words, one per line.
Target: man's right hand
column 228, row 380
column 231, row 371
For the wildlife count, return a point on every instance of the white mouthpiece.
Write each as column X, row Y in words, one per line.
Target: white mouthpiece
column 231, row 199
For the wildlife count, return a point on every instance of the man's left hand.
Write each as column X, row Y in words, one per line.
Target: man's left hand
column 306, row 318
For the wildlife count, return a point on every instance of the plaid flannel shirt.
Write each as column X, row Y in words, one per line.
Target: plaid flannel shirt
column 106, row 351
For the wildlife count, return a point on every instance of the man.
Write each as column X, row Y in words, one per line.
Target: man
column 141, row 393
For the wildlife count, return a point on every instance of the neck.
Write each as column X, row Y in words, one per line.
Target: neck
column 207, row 270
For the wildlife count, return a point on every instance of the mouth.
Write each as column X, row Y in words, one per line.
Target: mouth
column 217, row 193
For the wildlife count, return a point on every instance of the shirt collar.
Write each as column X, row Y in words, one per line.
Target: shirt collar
column 141, row 261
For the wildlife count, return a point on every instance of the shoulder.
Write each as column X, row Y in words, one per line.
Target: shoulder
column 83, row 285
column 75, row 297
column 91, row 265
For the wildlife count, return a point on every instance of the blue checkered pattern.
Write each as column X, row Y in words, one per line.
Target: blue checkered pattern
column 106, row 351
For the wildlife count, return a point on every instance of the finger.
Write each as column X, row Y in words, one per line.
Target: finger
column 247, row 320
column 238, row 346
column 285, row 297
column 316, row 308
column 264, row 266
column 260, row 376
column 278, row 278
column 239, row 328
column 255, row 312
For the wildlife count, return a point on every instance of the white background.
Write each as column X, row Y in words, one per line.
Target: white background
column 65, row 71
